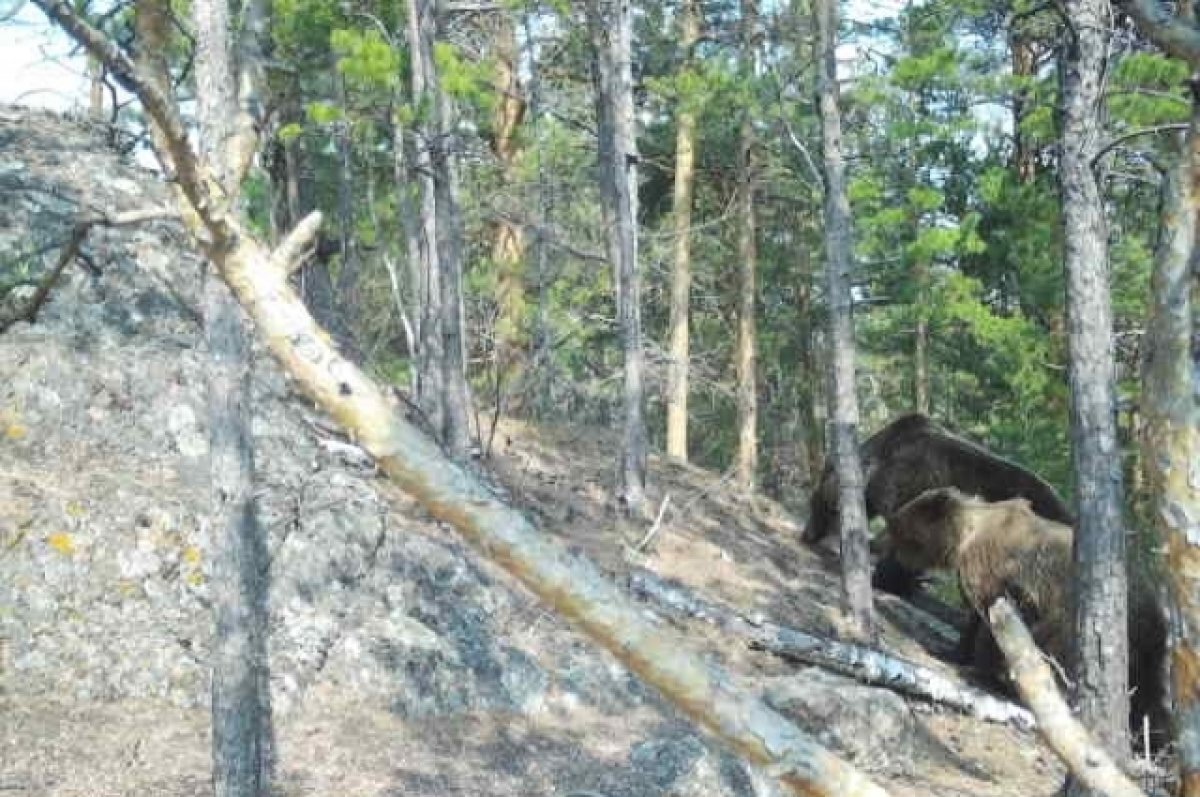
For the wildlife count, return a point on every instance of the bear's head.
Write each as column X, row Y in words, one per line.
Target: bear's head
column 923, row 533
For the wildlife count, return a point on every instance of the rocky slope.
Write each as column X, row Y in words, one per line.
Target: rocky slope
column 402, row 662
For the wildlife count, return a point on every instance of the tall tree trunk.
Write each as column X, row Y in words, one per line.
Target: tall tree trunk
column 1024, row 66
column 1101, row 677
column 347, row 281
column 241, row 746
column 95, row 72
column 747, row 336
column 681, row 263
column 508, row 238
column 856, row 562
column 408, row 210
column 429, row 390
column 921, row 342
column 543, row 366
column 441, row 141
column 809, row 372
column 1171, row 436
column 611, row 23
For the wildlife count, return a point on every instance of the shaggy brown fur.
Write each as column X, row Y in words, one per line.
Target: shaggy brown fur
column 913, row 454
column 1005, row 548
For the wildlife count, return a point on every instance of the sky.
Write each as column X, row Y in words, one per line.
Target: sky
column 36, row 63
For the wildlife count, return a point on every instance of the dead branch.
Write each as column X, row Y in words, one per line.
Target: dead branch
column 862, row 663
column 1086, row 759
column 69, row 252
column 293, row 251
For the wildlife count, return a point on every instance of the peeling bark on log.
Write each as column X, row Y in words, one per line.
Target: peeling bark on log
column 1082, row 754
column 865, row 664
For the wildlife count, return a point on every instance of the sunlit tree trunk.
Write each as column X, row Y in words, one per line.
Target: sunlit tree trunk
column 681, row 263
column 1101, row 660
column 95, row 72
column 611, row 24
column 856, row 562
column 508, row 238
column 746, row 357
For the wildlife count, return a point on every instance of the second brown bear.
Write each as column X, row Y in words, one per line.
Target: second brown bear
column 1004, row 548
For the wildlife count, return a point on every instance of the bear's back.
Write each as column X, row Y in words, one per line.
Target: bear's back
column 1006, row 548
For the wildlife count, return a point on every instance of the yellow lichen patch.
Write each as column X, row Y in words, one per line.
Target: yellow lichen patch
column 128, row 588
column 15, row 431
column 61, row 542
column 195, row 578
column 192, row 555
column 76, row 509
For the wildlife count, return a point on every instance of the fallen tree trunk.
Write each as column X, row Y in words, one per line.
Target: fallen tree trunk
column 570, row 584
column 856, row 661
column 1086, row 759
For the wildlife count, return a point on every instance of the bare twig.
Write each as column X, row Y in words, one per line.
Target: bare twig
column 69, row 252
column 1132, row 134
column 662, row 511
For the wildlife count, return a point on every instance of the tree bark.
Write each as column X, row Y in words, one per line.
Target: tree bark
column 1024, row 65
column 611, row 24
column 746, row 359
column 1171, row 390
column 1171, row 435
column 856, row 560
column 1101, row 656
column 348, row 273
column 455, row 398
column 543, row 366
column 921, row 343
column 429, row 388
column 95, row 72
column 241, row 744
column 681, row 263
column 508, row 238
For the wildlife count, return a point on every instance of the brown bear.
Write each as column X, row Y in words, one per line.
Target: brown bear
column 913, row 454
column 1005, row 548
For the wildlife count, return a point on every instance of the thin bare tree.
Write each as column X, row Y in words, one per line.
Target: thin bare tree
column 746, row 356
column 1101, row 593
column 610, row 24
column 843, row 403
column 681, row 262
